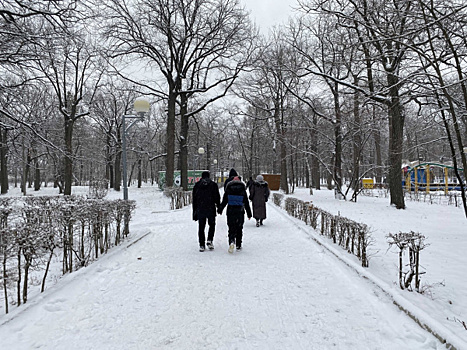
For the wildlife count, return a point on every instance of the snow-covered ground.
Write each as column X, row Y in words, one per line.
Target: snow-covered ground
column 283, row 291
column 444, row 260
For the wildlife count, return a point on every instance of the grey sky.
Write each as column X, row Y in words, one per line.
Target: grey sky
column 267, row 13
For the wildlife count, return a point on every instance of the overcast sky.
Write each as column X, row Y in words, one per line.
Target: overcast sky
column 267, row 13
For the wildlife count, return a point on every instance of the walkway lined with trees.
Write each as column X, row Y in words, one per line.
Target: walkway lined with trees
column 342, row 92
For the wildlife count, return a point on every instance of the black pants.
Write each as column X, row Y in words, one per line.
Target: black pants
column 236, row 234
column 235, row 220
column 212, row 227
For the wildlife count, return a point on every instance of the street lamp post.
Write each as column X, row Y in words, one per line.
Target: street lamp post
column 141, row 108
column 215, row 169
column 200, row 153
column 196, row 165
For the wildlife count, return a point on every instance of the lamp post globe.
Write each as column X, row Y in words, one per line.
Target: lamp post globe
column 141, row 106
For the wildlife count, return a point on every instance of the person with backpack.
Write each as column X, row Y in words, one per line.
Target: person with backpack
column 236, row 198
column 259, row 195
column 206, row 198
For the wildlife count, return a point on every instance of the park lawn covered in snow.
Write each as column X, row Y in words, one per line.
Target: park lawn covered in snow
column 444, row 260
column 283, row 291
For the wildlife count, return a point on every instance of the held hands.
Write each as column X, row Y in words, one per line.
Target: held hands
column 219, row 211
column 195, row 216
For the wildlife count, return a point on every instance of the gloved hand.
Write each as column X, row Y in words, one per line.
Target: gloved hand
column 195, row 216
column 219, row 211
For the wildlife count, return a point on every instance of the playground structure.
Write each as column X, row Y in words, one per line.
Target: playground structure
column 430, row 176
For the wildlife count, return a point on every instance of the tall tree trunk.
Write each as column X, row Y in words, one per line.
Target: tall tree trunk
column 378, row 153
column 111, row 176
column 68, row 159
column 208, row 157
column 108, row 161
column 252, row 150
column 170, row 159
column 396, row 133
column 140, row 175
column 118, row 161
column 37, row 175
column 3, row 160
column 280, row 131
column 357, row 140
column 315, row 171
column 338, row 139
column 23, row 172
column 184, row 125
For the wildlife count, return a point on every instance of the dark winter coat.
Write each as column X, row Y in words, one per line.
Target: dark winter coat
column 237, row 200
column 232, row 174
column 206, row 198
column 259, row 195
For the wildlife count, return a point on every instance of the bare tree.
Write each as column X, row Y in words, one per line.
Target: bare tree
column 442, row 61
column 70, row 65
column 199, row 47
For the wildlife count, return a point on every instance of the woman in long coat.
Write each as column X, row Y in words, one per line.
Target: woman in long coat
column 259, row 195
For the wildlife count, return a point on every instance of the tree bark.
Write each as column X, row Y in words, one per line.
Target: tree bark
column 338, row 139
column 37, row 175
column 280, row 130
column 118, row 161
column 183, row 142
column 357, row 140
column 396, row 132
column 68, row 159
column 170, row 159
column 3, row 160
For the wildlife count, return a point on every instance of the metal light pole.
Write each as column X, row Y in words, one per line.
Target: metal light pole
column 215, row 170
column 141, row 108
column 196, row 163
column 200, row 153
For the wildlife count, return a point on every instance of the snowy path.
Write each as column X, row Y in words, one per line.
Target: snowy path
column 283, row 291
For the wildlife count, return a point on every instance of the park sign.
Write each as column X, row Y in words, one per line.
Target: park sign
column 193, row 177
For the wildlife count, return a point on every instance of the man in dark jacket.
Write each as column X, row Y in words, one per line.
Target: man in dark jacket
column 237, row 200
column 232, row 174
column 206, row 198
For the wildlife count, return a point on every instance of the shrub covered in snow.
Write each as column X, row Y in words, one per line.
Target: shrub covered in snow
column 351, row 235
column 35, row 229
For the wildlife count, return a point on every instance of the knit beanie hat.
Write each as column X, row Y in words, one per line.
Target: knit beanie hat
column 259, row 178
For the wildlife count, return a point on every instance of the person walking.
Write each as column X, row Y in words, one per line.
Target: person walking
column 232, row 174
column 237, row 200
column 259, row 195
column 206, row 198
